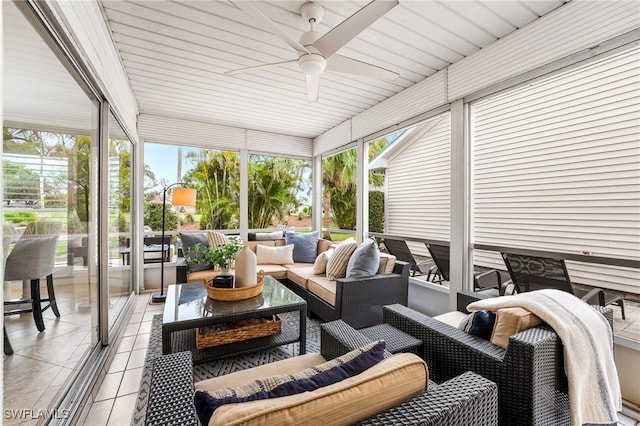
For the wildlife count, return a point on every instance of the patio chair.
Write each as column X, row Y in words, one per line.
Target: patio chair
column 440, row 255
column 400, row 250
column 529, row 273
column 529, row 372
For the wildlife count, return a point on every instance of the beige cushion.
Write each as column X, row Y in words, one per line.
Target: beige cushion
column 323, row 287
column 320, row 265
column 288, row 365
column 253, row 245
column 386, row 384
column 337, row 263
column 217, row 239
column 324, row 245
column 387, row 263
column 453, row 318
column 275, row 255
column 300, row 273
column 276, row 271
column 264, row 236
column 510, row 321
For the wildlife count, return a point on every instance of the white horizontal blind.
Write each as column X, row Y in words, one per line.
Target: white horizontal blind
column 418, row 185
column 557, row 167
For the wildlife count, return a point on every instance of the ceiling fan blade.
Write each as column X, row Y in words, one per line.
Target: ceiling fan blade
column 332, row 41
column 264, row 20
column 258, row 67
column 339, row 63
column 313, row 87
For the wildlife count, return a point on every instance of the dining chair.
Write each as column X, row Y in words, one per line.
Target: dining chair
column 32, row 258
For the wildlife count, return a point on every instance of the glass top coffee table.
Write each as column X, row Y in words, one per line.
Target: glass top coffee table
column 188, row 308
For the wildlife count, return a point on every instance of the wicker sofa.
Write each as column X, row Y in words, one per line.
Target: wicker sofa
column 357, row 301
column 529, row 372
column 468, row 399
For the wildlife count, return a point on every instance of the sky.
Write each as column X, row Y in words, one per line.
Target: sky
column 163, row 159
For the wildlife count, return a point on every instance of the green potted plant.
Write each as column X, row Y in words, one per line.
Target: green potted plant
column 222, row 257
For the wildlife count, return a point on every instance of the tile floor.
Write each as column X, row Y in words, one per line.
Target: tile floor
column 116, row 398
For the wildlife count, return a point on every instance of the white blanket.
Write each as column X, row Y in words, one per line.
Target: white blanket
column 594, row 389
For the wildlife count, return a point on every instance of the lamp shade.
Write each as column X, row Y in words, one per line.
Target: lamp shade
column 183, row 197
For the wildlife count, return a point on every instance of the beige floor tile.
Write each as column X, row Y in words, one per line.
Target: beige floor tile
column 110, row 386
column 145, row 327
column 130, row 382
column 131, row 330
column 136, row 359
column 100, row 412
column 122, row 411
column 136, row 317
column 119, row 362
column 148, row 316
column 142, row 341
column 126, row 344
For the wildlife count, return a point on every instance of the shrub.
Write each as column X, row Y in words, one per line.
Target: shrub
column 376, row 211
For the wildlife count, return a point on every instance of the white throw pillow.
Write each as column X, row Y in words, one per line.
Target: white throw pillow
column 337, row 263
column 282, row 255
column 320, row 265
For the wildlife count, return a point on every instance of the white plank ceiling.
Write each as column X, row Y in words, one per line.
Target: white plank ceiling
column 176, row 52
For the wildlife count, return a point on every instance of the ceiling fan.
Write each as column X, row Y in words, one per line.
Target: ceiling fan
column 317, row 52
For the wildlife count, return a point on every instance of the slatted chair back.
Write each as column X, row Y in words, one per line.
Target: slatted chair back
column 529, row 273
column 440, row 255
column 400, row 250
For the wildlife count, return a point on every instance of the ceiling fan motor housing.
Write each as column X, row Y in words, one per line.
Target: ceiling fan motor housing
column 312, row 12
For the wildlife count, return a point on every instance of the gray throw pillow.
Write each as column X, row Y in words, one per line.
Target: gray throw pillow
column 365, row 260
column 305, row 246
column 189, row 241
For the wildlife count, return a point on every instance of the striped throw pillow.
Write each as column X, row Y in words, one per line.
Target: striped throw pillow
column 217, row 239
column 337, row 263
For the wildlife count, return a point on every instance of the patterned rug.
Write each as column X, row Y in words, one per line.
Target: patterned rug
column 222, row 366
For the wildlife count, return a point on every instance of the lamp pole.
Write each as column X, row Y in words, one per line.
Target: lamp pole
column 161, row 297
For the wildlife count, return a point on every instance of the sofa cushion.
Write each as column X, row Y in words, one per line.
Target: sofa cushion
column 299, row 273
column 305, row 246
column 265, row 236
column 387, row 263
column 325, row 374
column 324, row 245
column 365, row 260
column 320, row 265
column 510, row 321
column 387, row 384
column 323, row 287
column 337, row 263
column 275, row 255
column 279, row 272
column 189, row 241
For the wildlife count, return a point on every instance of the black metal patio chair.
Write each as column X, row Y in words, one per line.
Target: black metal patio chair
column 529, row 273
column 482, row 280
column 400, row 250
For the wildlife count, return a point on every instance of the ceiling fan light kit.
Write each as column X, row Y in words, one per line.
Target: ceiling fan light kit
column 316, row 52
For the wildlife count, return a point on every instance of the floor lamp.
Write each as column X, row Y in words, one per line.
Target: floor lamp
column 180, row 197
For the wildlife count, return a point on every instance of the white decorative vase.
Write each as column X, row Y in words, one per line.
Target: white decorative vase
column 246, row 268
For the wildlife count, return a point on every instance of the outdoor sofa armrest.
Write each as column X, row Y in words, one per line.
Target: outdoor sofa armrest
column 468, row 399
column 464, row 298
column 359, row 301
column 172, row 389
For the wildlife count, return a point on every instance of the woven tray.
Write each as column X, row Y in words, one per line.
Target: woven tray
column 223, row 334
column 240, row 293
